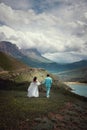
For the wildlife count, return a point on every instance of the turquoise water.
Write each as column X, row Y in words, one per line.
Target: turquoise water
column 80, row 89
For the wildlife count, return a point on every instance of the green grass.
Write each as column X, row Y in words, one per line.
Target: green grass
column 16, row 107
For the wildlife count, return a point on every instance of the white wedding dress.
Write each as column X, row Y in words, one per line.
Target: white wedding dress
column 33, row 89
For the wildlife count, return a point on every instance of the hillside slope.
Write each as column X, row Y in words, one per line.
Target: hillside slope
column 76, row 75
column 9, row 63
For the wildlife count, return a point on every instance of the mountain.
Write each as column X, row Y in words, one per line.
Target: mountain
column 75, row 75
column 14, row 51
column 33, row 58
column 10, row 49
column 75, row 65
column 30, row 57
column 34, row 54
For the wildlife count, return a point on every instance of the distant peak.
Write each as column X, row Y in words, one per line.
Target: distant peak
column 10, row 48
column 32, row 50
column 7, row 43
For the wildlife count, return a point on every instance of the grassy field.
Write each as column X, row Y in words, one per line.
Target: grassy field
column 18, row 112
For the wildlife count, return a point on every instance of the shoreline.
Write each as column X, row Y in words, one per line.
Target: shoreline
column 73, row 90
column 74, row 83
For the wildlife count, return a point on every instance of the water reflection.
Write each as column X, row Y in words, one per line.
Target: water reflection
column 80, row 89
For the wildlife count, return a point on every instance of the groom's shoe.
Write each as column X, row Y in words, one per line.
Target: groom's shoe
column 48, row 96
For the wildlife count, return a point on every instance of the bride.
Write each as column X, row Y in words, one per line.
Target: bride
column 33, row 88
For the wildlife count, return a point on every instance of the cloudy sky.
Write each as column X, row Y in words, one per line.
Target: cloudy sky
column 57, row 28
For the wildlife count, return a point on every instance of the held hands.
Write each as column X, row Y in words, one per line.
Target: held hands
column 42, row 82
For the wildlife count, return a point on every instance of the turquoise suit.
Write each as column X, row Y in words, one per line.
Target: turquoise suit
column 48, row 83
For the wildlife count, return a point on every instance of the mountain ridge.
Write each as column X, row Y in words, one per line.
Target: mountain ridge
column 10, row 49
column 75, row 75
column 35, row 54
column 33, row 58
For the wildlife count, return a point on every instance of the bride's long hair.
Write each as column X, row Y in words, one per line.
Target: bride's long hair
column 35, row 79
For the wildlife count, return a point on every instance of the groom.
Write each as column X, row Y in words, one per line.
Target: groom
column 48, row 83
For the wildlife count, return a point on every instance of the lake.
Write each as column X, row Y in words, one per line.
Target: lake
column 80, row 89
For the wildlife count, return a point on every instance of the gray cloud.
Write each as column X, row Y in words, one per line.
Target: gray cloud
column 57, row 28
column 17, row 4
